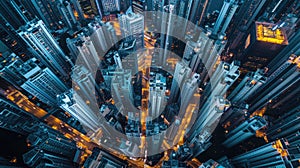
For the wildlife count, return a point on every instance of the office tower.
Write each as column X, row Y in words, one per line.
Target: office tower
column 44, row 47
column 15, row 119
column 262, row 45
column 85, row 84
column 172, row 131
column 110, row 6
column 291, row 49
column 184, row 8
column 50, row 149
column 287, row 124
column 39, row 158
column 78, row 12
column 242, row 22
column 66, row 11
column 100, row 158
column 209, row 115
column 103, row 35
column 84, row 50
column 202, row 56
column 12, row 12
column 155, row 133
column 200, row 143
column 184, row 152
column 251, row 82
column 234, row 116
column 9, row 68
column 10, row 38
column 41, row 82
column 157, row 102
column 122, row 94
column 191, row 55
column 71, row 102
column 166, row 22
column 224, row 18
column 187, row 92
column 280, row 80
column 89, row 8
column 224, row 76
column 54, row 14
column 280, row 153
column 138, row 6
column 198, row 11
column 181, row 74
column 132, row 27
column 52, row 141
column 244, row 131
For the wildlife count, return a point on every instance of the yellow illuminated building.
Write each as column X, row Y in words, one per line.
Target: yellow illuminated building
column 265, row 33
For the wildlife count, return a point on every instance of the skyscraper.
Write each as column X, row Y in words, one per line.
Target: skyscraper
column 208, row 116
column 15, row 119
column 41, row 82
column 100, row 158
column 84, row 50
column 50, row 149
column 55, row 14
column 111, row 6
column 9, row 69
column 224, row 18
column 43, row 45
column 132, row 27
column 244, row 131
column 181, row 74
column 71, row 102
column 280, row 80
column 287, row 124
column 261, row 46
column 251, row 82
column 280, row 153
column 224, row 76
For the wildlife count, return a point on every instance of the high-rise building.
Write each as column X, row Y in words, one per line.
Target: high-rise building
column 262, row 45
column 224, row 76
column 52, row 141
column 224, row 18
column 66, row 11
column 181, row 74
column 280, row 80
column 12, row 12
column 10, row 38
column 251, row 82
column 110, row 6
column 15, row 119
column 85, row 84
column 287, row 124
column 100, row 158
column 72, row 102
column 103, row 36
column 55, row 14
column 209, row 115
column 187, row 92
column 9, row 69
column 84, row 50
column 50, row 149
column 244, row 131
column 242, row 22
column 41, row 82
column 132, row 27
column 44, row 46
column 280, row 153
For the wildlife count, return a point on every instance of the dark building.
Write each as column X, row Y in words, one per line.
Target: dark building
column 262, row 45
